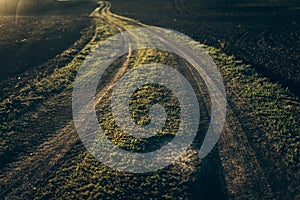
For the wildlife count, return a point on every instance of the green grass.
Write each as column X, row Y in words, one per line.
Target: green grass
column 267, row 106
column 273, row 109
column 40, row 88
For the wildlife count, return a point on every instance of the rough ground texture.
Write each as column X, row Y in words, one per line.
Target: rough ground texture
column 42, row 157
column 264, row 34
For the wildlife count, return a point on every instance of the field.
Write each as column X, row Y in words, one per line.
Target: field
column 263, row 34
column 30, row 39
column 257, row 156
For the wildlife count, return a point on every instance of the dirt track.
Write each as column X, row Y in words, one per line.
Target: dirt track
column 24, row 175
column 263, row 34
column 245, row 176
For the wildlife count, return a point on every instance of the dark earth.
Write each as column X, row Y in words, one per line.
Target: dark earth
column 265, row 34
column 28, row 39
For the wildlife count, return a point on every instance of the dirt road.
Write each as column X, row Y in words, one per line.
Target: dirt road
column 244, row 174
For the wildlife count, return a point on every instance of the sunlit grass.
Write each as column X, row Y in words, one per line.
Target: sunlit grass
column 275, row 112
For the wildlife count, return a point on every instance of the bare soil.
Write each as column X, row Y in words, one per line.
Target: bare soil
column 32, row 39
column 256, row 157
column 264, row 34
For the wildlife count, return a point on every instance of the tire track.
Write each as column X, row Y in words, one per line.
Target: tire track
column 176, row 7
column 24, row 174
column 180, row 8
column 19, row 106
column 183, row 7
column 245, row 178
column 272, row 52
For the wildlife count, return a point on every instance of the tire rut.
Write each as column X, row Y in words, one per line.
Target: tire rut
column 23, row 175
column 253, row 182
column 245, row 178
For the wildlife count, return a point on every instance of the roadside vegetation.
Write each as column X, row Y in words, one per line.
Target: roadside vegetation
column 269, row 114
column 267, row 111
